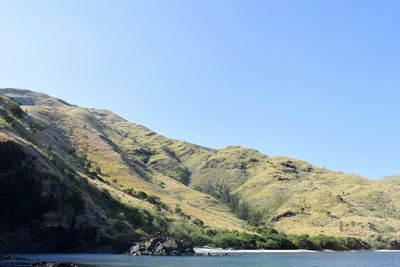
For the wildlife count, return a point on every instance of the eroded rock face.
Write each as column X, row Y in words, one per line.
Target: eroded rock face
column 161, row 246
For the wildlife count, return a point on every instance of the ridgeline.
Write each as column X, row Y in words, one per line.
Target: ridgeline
column 79, row 179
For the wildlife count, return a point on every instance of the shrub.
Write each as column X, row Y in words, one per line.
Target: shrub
column 153, row 200
column 229, row 240
column 141, row 195
column 302, row 242
column 35, row 127
column 14, row 109
column 268, row 244
column 198, row 222
column 130, row 191
column 3, row 123
column 98, row 170
column 178, row 208
column 70, row 150
column 327, row 242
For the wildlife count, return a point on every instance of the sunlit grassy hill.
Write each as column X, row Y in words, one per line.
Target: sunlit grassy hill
column 169, row 183
column 83, row 150
column 296, row 197
column 395, row 179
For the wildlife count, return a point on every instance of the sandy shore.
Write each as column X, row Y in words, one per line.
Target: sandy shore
column 218, row 251
column 209, row 250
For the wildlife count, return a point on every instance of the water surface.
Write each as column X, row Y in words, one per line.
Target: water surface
column 318, row 259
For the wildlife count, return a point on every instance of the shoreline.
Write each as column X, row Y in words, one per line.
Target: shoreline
column 75, row 259
column 220, row 251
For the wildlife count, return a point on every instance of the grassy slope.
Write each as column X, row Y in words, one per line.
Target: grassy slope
column 324, row 201
column 395, row 180
column 131, row 156
column 38, row 194
column 85, row 139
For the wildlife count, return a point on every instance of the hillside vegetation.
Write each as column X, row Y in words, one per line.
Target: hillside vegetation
column 395, row 180
column 124, row 180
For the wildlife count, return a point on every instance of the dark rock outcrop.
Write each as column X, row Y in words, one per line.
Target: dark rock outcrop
column 282, row 216
column 161, row 246
column 395, row 244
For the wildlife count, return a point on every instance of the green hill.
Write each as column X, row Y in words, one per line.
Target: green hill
column 109, row 180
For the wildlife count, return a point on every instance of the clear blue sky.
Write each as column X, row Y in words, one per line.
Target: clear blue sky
column 315, row 80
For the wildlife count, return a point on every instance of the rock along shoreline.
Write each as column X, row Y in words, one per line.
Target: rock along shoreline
column 162, row 246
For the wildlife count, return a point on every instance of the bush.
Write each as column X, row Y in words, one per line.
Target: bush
column 70, row 150
column 14, row 109
column 130, row 192
column 264, row 239
column 241, row 208
column 198, row 222
column 302, row 242
column 327, row 242
column 3, row 123
column 268, row 244
column 230, row 240
column 141, row 195
column 178, row 209
column 153, row 200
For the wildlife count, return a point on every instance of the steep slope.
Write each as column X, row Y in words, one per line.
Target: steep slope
column 287, row 194
column 85, row 138
column 175, row 183
column 296, row 197
column 46, row 206
column 313, row 200
column 79, row 147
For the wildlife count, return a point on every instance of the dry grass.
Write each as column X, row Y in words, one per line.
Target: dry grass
column 130, row 156
column 104, row 144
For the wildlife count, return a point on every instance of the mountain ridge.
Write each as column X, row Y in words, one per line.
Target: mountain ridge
column 178, row 183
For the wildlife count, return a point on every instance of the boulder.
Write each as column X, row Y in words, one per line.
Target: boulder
column 161, row 246
column 284, row 215
column 395, row 244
